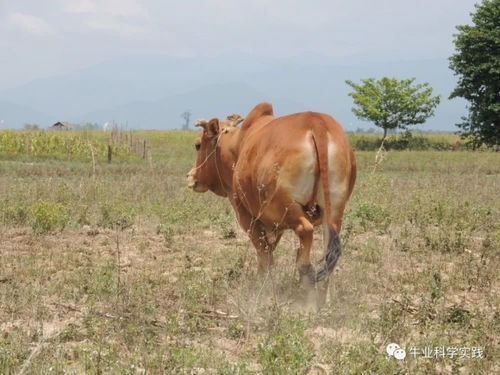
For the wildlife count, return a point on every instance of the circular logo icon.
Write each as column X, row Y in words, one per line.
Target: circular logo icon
column 391, row 348
column 399, row 354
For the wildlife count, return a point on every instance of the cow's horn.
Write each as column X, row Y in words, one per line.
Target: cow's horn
column 234, row 119
column 200, row 123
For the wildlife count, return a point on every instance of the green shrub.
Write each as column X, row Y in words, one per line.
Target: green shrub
column 167, row 231
column 369, row 215
column 285, row 350
column 181, row 359
column 47, row 217
column 16, row 214
column 116, row 216
column 406, row 141
column 224, row 223
column 458, row 315
column 236, row 330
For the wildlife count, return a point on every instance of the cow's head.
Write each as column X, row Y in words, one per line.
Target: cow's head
column 206, row 174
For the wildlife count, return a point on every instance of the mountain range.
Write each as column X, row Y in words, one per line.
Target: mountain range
column 151, row 91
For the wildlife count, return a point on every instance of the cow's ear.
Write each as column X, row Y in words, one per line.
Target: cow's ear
column 212, row 127
column 234, row 119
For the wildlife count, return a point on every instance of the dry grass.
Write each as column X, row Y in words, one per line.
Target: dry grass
column 147, row 277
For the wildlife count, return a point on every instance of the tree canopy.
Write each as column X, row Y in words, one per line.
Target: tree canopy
column 477, row 63
column 391, row 103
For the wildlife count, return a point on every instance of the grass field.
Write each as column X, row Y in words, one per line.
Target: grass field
column 119, row 269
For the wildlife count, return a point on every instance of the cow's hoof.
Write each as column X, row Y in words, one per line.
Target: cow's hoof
column 307, row 275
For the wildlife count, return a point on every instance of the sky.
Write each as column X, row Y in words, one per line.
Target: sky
column 44, row 38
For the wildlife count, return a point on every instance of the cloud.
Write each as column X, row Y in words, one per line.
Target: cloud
column 113, row 8
column 31, row 24
column 80, row 6
column 119, row 16
column 100, row 23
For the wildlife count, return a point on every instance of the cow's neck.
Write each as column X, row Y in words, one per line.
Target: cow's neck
column 226, row 158
column 229, row 144
column 250, row 126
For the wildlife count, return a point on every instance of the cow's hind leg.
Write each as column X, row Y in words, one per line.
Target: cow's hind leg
column 264, row 241
column 304, row 229
column 261, row 240
column 310, row 298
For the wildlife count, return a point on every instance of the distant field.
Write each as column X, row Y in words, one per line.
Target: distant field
column 417, row 142
column 118, row 268
column 79, row 145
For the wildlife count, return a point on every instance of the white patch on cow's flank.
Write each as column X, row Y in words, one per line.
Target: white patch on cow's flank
column 303, row 182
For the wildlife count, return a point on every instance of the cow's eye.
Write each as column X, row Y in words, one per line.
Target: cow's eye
column 197, row 147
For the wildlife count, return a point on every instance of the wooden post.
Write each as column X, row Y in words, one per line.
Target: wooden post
column 144, row 150
column 150, row 157
column 110, row 153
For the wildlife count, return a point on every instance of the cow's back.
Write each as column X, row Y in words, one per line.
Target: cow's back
column 279, row 157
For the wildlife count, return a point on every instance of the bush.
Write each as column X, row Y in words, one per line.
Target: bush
column 116, row 216
column 167, row 231
column 224, row 223
column 370, row 215
column 285, row 350
column 406, row 141
column 16, row 214
column 47, row 217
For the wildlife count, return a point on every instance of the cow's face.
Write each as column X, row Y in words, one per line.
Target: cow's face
column 203, row 176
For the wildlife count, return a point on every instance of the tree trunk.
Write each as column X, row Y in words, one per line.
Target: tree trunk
column 384, row 137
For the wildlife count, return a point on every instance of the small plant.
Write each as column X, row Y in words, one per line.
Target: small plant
column 102, row 280
column 224, row 223
column 236, row 330
column 285, row 350
column 436, row 287
column 116, row 216
column 458, row 315
column 194, row 288
column 167, row 232
column 181, row 359
column 393, row 316
column 47, row 217
column 236, row 269
column 83, row 216
column 370, row 214
column 16, row 214
column 445, row 240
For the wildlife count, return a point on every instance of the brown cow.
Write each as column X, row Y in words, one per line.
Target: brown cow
column 291, row 172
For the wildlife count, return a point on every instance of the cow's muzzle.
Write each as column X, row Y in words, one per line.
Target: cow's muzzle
column 194, row 184
column 191, row 181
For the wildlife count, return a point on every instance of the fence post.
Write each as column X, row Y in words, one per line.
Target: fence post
column 110, row 153
column 150, row 156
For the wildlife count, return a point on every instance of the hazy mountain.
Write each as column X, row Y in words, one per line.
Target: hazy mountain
column 152, row 91
column 206, row 102
column 15, row 116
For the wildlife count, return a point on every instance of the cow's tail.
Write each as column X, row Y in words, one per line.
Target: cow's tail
column 334, row 247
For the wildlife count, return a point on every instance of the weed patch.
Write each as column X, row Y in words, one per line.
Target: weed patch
column 46, row 217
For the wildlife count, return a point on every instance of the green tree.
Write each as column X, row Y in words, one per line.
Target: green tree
column 477, row 63
column 391, row 103
column 31, row 127
column 186, row 115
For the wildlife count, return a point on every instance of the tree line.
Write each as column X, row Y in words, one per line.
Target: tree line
column 390, row 103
